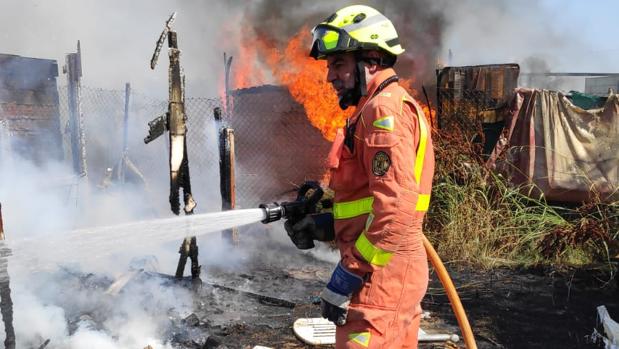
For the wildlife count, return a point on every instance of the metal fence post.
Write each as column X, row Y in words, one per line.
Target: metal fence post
column 125, row 152
column 227, row 66
column 227, row 179
column 73, row 69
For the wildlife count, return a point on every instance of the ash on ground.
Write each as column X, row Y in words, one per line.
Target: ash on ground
column 254, row 297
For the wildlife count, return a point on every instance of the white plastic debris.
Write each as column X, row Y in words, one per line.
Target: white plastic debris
column 423, row 336
column 611, row 328
column 319, row 331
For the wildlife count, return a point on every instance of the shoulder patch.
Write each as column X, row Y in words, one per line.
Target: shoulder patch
column 380, row 163
column 385, row 123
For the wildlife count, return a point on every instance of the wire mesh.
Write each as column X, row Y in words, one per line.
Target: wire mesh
column 472, row 102
column 272, row 141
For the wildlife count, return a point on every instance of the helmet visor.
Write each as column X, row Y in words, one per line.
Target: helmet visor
column 329, row 40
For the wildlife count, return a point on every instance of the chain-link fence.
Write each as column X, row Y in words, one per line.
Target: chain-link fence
column 103, row 113
column 276, row 147
column 472, row 101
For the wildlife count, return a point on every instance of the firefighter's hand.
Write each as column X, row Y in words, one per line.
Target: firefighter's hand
column 313, row 227
column 334, row 313
column 336, row 296
column 301, row 232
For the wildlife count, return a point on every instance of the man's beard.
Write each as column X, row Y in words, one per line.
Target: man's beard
column 350, row 96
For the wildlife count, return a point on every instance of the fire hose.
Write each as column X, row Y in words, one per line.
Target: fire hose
column 452, row 294
column 310, row 193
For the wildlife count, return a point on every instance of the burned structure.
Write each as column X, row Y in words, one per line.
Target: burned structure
column 174, row 121
column 29, row 114
column 476, row 95
column 559, row 146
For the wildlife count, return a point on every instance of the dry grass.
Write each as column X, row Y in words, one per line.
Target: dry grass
column 477, row 218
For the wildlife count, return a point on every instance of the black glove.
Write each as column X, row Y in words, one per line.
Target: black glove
column 312, row 227
column 336, row 296
column 334, row 313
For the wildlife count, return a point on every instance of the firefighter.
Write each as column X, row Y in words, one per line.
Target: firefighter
column 382, row 165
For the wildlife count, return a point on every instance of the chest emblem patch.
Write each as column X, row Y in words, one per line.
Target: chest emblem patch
column 380, row 163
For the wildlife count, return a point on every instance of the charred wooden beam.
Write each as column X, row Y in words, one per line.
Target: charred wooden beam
column 6, row 304
column 266, row 300
column 263, row 299
column 174, row 121
column 44, row 345
column 227, row 178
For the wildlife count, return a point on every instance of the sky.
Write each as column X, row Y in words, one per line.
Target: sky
column 594, row 24
column 574, row 36
column 118, row 36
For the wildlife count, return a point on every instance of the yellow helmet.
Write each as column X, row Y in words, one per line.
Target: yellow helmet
column 355, row 28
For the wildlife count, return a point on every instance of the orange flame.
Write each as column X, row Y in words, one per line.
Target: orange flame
column 429, row 113
column 304, row 76
column 248, row 73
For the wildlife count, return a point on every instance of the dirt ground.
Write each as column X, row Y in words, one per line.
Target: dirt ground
column 506, row 308
column 254, row 297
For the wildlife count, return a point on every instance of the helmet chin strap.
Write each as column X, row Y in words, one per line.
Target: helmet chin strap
column 352, row 95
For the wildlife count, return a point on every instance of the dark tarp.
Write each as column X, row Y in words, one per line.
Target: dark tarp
column 586, row 101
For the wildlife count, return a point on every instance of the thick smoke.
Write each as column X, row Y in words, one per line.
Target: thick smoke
column 118, row 37
column 475, row 31
column 419, row 23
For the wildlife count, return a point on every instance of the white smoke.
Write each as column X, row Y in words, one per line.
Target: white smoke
column 55, row 307
column 118, row 39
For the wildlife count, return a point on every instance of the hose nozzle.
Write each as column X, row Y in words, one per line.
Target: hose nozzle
column 272, row 212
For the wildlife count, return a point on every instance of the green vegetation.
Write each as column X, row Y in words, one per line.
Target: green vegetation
column 477, row 218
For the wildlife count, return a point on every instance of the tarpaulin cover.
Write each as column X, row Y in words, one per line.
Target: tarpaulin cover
column 569, row 154
column 586, row 101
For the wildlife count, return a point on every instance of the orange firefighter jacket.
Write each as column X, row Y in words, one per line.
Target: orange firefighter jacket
column 382, row 185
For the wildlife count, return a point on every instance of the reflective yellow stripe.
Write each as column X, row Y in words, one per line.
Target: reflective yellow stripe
column 362, row 338
column 371, row 253
column 350, row 209
column 423, row 202
column 421, row 151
